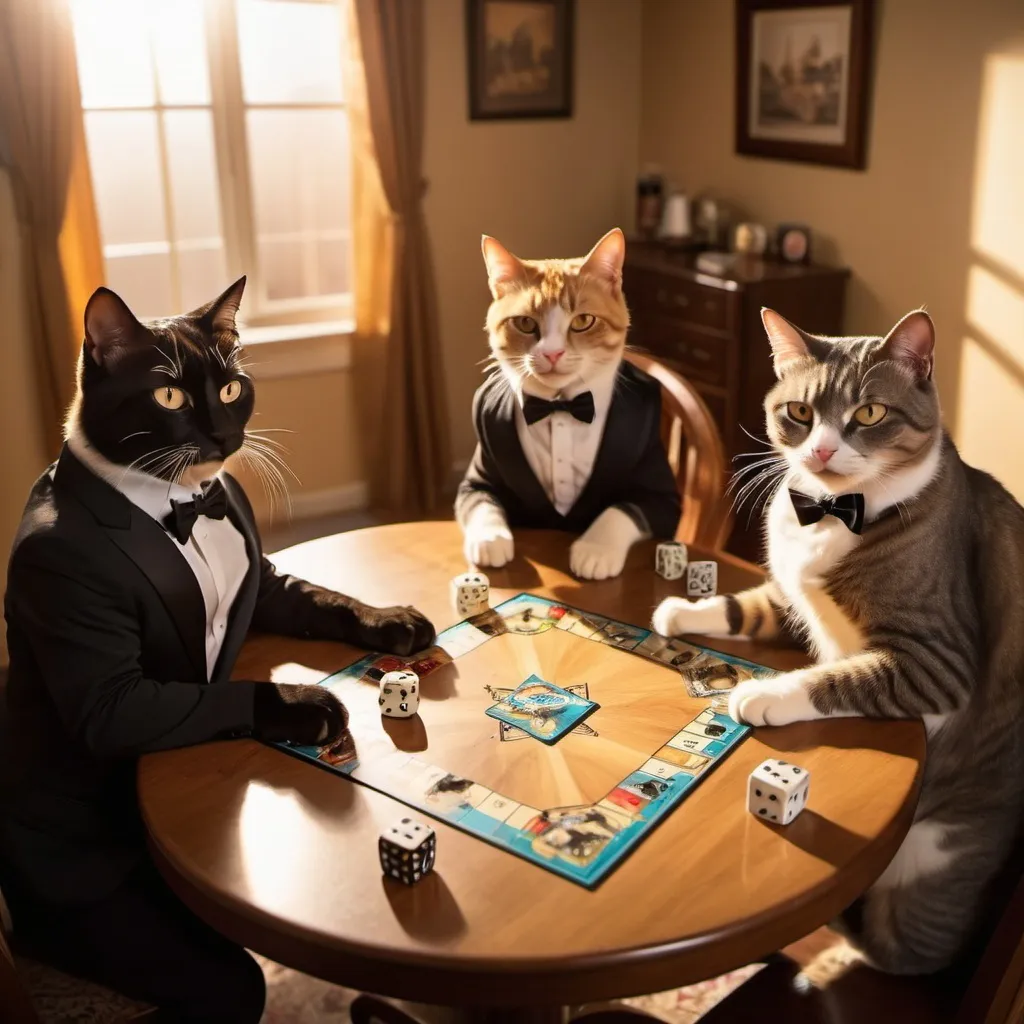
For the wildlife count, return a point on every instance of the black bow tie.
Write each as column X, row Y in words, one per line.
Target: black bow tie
column 847, row 508
column 582, row 407
column 212, row 503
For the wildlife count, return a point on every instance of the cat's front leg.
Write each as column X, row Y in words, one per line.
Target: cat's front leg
column 487, row 539
column 600, row 553
column 880, row 683
column 755, row 613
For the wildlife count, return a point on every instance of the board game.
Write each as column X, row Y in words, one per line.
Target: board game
column 527, row 741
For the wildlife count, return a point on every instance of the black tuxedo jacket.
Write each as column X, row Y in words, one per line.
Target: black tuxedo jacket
column 106, row 630
column 631, row 470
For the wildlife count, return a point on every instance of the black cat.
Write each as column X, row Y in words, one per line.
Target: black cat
column 134, row 578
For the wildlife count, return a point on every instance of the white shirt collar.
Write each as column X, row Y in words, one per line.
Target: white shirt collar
column 146, row 492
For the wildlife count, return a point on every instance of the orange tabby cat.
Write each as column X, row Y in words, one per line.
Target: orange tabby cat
column 568, row 432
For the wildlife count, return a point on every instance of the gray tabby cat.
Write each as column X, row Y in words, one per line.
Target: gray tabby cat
column 919, row 615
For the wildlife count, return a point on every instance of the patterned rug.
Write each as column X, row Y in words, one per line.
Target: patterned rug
column 294, row 998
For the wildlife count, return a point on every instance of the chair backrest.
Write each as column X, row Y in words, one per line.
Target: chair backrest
column 696, row 454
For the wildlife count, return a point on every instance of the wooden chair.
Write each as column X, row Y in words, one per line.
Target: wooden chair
column 696, row 454
column 987, row 988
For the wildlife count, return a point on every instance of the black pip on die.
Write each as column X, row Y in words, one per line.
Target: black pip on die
column 407, row 850
column 777, row 791
column 399, row 694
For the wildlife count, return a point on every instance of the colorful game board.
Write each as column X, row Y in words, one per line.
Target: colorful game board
column 568, row 773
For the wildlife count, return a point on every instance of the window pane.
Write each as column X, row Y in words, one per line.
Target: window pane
column 126, row 174
column 282, row 265
column 192, row 169
column 144, row 282
column 300, row 188
column 290, row 51
column 112, row 43
column 334, row 275
column 203, row 275
column 179, row 42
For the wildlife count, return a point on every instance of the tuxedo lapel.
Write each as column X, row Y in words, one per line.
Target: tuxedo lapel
column 149, row 546
column 508, row 452
column 245, row 603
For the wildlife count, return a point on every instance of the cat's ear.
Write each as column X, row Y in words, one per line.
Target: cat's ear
column 788, row 342
column 221, row 313
column 503, row 269
column 111, row 328
column 605, row 260
column 912, row 343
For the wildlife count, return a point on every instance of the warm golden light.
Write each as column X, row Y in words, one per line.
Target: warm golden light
column 991, row 386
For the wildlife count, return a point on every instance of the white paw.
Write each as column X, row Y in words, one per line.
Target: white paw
column 676, row 616
column 490, row 548
column 776, row 701
column 591, row 561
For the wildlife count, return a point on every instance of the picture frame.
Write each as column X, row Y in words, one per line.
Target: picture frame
column 520, row 58
column 804, row 80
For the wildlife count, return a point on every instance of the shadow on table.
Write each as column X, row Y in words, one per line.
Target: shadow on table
column 427, row 910
column 821, row 838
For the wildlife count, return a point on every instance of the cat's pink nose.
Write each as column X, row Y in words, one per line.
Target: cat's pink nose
column 553, row 357
column 823, row 454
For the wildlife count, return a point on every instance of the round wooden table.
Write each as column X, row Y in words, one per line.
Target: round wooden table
column 282, row 856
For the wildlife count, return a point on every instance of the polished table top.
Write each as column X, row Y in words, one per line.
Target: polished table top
column 282, row 856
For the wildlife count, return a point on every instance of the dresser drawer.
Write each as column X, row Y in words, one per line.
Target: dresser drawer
column 692, row 353
column 694, row 303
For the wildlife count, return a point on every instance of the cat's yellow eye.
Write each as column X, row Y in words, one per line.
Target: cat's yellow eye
column 524, row 324
column 582, row 322
column 800, row 412
column 170, row 398
column 870, row 414
column 230, row 391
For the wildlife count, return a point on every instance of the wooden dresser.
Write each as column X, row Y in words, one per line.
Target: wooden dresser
column 708, row 328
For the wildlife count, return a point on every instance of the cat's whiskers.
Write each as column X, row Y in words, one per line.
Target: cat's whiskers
column 138, row 433
column 754, row 437
column 263, row 456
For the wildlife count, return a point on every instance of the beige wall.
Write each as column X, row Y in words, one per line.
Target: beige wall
column 937, row 218
column 545, row 188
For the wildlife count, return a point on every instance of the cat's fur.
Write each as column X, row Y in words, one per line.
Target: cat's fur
column 543, row 362
column 919, row 617
column 115, row 419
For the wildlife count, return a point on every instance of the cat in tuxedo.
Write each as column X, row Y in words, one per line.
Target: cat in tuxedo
column 134, row 578
column 568, row 434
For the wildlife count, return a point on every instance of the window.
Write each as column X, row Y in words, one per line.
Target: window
column 218, row 142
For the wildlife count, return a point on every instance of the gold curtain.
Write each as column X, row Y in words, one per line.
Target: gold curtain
column 41, row 119
column 398, row 348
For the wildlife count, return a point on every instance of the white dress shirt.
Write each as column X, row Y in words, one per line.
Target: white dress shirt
column 215, row 552
column 560, row 448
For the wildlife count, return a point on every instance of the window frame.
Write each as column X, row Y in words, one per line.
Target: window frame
column 227, row 109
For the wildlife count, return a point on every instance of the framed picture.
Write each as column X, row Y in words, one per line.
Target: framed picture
column 804, row 74
column 520, row 58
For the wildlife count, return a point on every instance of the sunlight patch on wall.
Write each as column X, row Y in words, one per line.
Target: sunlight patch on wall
column 995, row 308
column 999, row 179
column 991, row 387
column 991, row 403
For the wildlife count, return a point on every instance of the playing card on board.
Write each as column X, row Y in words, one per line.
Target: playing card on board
column 544, row 711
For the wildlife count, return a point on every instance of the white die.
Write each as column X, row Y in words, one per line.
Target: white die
column 701, row 579
column 470, row 593
column 777, row 791
column 670, row 559
column 407, row 850
column 399, row 694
